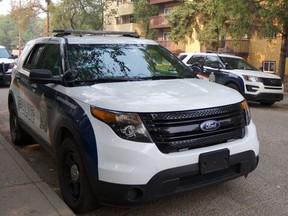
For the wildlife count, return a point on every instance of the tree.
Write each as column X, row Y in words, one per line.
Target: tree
column 274, row 14
column 9, row 32
column 143, row 10
column 80, row 14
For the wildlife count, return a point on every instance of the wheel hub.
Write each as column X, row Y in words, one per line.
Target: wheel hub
column 74, row 172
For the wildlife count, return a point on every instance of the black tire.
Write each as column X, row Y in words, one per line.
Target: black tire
column 267, row 103
column 74, row 183
column 233, row 86
column 18, row 135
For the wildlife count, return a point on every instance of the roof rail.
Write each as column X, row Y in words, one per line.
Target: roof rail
column 65, row 32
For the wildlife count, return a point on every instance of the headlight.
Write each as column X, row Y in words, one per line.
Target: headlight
column 11, row 65
column 126, row 125
column 252, row 78
column 246, row 112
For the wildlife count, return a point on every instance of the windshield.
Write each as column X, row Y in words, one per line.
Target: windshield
column 237, row 63
column 4, row 53
column 130, row 62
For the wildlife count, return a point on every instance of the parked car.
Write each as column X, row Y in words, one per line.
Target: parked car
column 236, row 73
column 6, row 64
column 126, row 120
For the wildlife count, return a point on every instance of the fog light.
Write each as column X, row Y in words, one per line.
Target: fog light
column 135, row 194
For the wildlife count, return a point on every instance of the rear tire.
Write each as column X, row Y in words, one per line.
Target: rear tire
column 73, row 179
column 18, row 135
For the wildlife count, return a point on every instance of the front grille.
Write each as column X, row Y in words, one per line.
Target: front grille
column 4, row 67
column 271, row 82
column 178, row 131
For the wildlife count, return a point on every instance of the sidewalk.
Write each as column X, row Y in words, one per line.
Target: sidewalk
column 22, row 192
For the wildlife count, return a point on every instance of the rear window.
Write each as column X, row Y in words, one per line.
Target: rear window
column 181, row 57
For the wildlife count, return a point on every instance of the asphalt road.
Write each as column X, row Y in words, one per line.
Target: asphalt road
column 264, row 192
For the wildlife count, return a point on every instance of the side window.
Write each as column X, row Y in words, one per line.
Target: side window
column 212, row 61
column 50, row 59
column 196, row 60
column 181, row 57
column 31, row 62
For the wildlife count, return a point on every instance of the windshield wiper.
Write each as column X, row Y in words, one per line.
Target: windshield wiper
column 104, row 80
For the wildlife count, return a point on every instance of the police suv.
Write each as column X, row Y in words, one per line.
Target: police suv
column 126, row 120
column 6, row 65
column 235, row 72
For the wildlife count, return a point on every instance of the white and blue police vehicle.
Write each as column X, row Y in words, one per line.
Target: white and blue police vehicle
column 6, row 64
column 126, row 120
column 234, row 72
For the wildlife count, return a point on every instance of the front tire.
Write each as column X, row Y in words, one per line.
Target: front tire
column 74, row 183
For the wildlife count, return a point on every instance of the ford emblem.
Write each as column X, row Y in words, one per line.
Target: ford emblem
column 210, row 125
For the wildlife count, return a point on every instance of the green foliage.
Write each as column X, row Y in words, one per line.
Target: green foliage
column 79, row 14
column 142, row 13
column 9, row 31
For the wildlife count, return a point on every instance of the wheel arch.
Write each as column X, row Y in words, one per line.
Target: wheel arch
column 86, row 147
column 241, row 90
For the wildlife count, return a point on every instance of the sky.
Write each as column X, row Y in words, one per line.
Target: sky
column 4, row 7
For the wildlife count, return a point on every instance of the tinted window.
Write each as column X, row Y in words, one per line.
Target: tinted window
column 50, row 59
column 95, row 61
column 33, row 57
column 181, row 57
column 212, row 61
column 237, row 63
column 196, row 59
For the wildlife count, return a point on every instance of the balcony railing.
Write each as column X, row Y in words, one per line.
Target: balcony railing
column 173, row 47
column 158, row 22
column 235, row 46
column 161, row 1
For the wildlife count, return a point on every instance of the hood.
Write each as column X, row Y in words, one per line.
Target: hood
column 156, row 96
column 253, row 73
column 6, row 61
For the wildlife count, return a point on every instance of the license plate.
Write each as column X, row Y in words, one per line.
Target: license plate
column 214, row 161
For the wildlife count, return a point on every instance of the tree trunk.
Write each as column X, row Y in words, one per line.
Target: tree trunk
column 283, row 54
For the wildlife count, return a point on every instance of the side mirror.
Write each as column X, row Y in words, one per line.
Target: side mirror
column 70, row 75
column 43, row 76
column 14, row 56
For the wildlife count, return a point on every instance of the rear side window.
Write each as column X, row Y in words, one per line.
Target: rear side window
column 50, row 59
column 32, row 59
column 181, row 57
column 196, row 60
column 212, row 61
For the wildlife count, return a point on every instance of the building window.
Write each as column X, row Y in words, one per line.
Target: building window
column 118, row 20
column 167, row 11
column 166, row 36
column 269, row 66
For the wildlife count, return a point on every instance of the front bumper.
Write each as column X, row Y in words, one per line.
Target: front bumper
column 265, row 97
column 173, row 181
column 132, row 172
column 5, row 77
column 259, row 92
